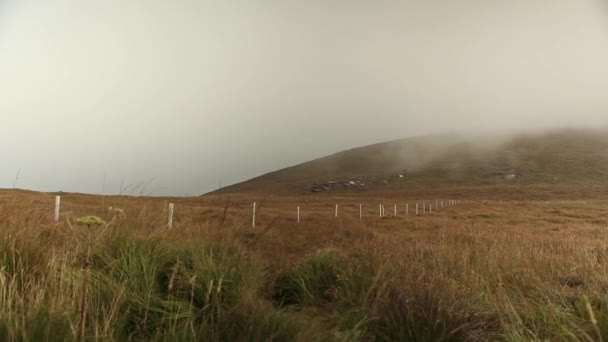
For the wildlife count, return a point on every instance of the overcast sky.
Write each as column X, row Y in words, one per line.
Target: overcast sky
column 180, row 94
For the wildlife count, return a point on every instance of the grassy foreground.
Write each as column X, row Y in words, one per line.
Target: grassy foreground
column 512, row 272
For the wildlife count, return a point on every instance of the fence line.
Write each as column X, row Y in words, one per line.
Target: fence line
column 381, row 208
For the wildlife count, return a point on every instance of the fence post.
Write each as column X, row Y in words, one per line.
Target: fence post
column 298, row 214
column 360, row 212
column 395, row 210
column 336, row 210
column 57, row 207
column 171, row 207
column 253, row 216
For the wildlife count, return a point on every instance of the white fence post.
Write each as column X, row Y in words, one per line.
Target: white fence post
column 253, row 217
column 336, row 210
column 57, row 207
column 298, row 214
column 360, row 212
column 380, row 209
column 416, row 209
column 395, row 210
column 171, row 208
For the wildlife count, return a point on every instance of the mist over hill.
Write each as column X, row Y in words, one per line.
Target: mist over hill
column 551, row 158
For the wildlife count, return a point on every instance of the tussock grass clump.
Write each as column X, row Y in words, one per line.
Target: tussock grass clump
column 34, row 291
column 150, row 290
column 433, row 312
column 41, row 325
column 316, row 280
column 125, row 293
column 20, row 257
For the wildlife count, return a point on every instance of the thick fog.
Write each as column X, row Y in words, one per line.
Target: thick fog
column 176, row 96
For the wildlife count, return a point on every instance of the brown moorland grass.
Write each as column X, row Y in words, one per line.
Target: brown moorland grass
column 482, row 270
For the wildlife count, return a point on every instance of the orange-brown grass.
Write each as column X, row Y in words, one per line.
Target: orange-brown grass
column 481, row 270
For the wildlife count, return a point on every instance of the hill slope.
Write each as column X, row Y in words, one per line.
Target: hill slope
column 557, row 158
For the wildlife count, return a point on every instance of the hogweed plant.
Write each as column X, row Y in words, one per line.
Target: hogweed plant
column 117, row 212
column 90, row 221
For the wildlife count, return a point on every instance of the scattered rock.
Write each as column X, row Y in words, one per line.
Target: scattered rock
column 510, row 175
column 358, row 182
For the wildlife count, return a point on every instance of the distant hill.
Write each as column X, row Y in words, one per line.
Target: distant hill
column 557, row 158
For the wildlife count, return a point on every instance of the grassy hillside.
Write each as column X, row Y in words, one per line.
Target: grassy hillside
column 479, row 271
column 559, row 159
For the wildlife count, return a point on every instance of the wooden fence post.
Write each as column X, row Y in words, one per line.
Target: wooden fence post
column 171, row 208
column 253, row 216
column 57, row 208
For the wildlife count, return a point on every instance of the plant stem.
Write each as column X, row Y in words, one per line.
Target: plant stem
column 85, row 288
